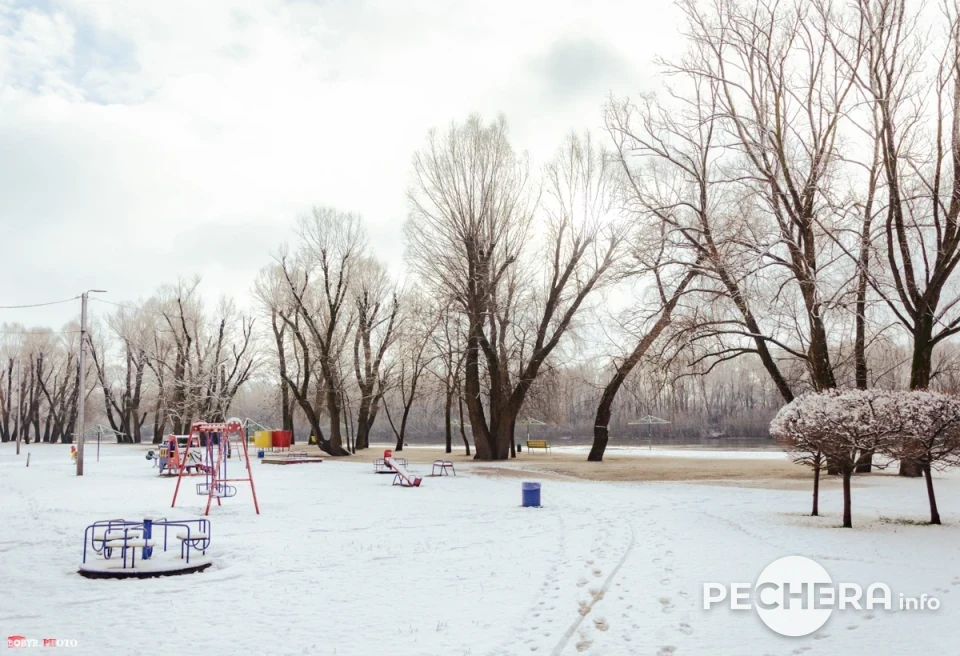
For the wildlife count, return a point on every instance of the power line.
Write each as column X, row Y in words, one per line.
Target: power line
column 129, row 307
column 19, row 307
column 38, row 332
column 119, row 305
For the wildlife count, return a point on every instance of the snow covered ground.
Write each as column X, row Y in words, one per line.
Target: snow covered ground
column 341, row 563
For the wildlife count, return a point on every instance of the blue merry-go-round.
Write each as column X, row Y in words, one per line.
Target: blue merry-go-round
column 118, row 548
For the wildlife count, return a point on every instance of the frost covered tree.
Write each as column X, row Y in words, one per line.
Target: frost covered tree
column 930, row 435
column 842, row 425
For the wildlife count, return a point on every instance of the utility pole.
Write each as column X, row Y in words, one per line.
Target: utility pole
column 19, row 402
column 81, row 387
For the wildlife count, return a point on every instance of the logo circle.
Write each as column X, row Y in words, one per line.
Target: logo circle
column 787, row 596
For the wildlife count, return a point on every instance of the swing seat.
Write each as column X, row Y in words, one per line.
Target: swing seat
column 224, row 491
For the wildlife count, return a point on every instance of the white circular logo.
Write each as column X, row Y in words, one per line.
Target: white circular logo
column 787, row 596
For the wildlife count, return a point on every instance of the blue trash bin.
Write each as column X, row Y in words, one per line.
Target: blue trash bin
column 531, row 495
column 260, row 453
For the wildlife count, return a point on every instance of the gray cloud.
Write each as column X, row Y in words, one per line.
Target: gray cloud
column 573, row 66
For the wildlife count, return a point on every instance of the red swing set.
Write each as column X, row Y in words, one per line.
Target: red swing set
column 217, row 441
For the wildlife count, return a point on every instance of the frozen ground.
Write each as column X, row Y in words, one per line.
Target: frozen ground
column 341, row 563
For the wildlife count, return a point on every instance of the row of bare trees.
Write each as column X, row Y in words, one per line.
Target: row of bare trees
column 782, row 210
column 155, row 367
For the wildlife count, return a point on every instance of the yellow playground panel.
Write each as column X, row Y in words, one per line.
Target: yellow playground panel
column 263, row 439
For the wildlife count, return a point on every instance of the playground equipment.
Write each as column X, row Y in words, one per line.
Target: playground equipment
column 288, row 458
column 380, row 465
column 73, row 453
column 401, row 476
column 122, row 538
column 217, row 441
column 275, row 440
column 172, row 458
column 443, row 466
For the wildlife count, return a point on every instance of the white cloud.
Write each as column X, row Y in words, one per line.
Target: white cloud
column 147, row 140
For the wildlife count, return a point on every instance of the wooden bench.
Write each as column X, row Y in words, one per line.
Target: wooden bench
column 537, row 444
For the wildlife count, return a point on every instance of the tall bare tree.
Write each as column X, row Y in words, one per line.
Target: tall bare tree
column 469, row 232
column 332, row 245
column 376, row 305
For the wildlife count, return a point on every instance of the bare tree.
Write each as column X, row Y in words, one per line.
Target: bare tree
column 450, row 354
column 412, row 358
column 319, row 279
column 376, row 308
column 469, row 230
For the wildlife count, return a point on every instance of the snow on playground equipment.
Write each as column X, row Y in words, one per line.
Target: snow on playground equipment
column 216, row 442
column 289, row 458
column 401, row 476
column 116, row 541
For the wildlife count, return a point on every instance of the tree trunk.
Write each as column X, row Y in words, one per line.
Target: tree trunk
column 463, row 430
column 865, row 463
column 920, row 366
column 816, row 490
column 847, row 517
column 922, row 361
column 934, row 513
column 910, row 468
column 447, row 422
column 601, row 432
column 484, row 449
column 362, row 439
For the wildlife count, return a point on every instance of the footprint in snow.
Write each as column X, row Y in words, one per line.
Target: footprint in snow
column 584, row 645
column 666, row 651
column 582, row 582
column 597, row 572
column 685, row 628
column 601, row 624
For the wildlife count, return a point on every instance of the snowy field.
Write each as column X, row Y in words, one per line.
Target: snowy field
column 341, row 563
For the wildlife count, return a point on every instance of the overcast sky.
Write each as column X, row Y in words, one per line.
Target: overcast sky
column 142, row 141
